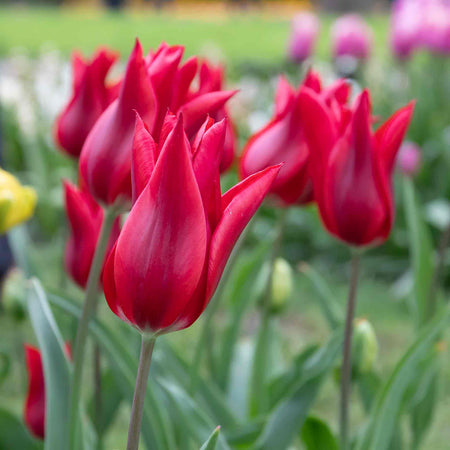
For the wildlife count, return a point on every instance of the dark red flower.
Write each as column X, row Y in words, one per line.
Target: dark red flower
column 151, row 86
column 283, row 139
column 90, row 97
column 170, row 255
column 351, row 167
column 34, row 412
column 85, row 219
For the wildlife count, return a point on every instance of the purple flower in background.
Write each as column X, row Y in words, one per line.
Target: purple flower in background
column 406, row 27
column 351, row 36
column 409, row 158
column 305, row 29
column 420, row 24
column 436, row 29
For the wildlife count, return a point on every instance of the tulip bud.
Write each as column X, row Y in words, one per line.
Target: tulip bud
column 351, row 36
column 305, row 28
column 364, row 346
column 409, row 159
column 13, row 295
column 282, row 284
column 17, row 202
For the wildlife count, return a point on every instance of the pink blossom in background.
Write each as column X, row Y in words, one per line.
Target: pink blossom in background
column 436, row 28
column 420, row 24
column 351, row 36
column 409, row 158
column 304, row 32
column 406, row 28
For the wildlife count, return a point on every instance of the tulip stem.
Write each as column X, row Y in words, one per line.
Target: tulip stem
column 134, row 430
column 440, row 264
column 347, row 350
column 89, row 307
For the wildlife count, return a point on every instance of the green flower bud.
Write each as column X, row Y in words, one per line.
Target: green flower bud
column 364, row 347
column 14, row 295
column 282, row 284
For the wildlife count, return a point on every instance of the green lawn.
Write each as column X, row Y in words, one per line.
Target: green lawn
column 239, row 37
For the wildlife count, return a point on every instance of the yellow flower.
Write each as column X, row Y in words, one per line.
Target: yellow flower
column 17, row 202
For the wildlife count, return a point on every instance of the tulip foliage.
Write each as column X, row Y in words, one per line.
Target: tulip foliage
column 185, row 287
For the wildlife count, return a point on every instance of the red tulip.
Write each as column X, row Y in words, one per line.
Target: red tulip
column 151, row 86
column 351, row 168
column 85, row 219
column 283, row 140
column 212, row 79
column 90, row 97
column 34, row 413
column 170, row 255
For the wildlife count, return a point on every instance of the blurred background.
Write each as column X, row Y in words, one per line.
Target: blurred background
column 401, row 51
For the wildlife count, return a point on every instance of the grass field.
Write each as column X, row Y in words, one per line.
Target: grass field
column 238, row 37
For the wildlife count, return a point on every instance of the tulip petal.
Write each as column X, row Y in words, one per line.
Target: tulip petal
column 105, row 162
column 284, row 96
column 312, row 81
column 196, row 110
column 320, row 134
column 389, row 136
column 239, row 204
column 144, row 150
column 34, row 414
column 206, row 168
column 162, row 71
column 161, row 250
column 281, row 141
column 183, row 80
column 353, row 205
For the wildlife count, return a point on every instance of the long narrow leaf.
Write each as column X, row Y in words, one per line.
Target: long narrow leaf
column 155, row 430
column 288, row 417
column 56, row 369
column 387, row 409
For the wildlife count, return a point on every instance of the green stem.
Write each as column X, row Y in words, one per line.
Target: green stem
column 89, row 307
column 440, row 264
column 137, row 409
column 205, row 337
column 261, row 355
column 98, row 393
column 346, row 355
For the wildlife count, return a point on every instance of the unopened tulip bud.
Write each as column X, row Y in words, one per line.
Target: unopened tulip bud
column 282, row 284
column 305, row 29
column 409, row 159
column 13, row 295
column 365, row 346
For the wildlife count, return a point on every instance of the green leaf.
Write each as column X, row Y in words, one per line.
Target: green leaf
column 14, row 435
column 260, row 367
column 289, row 416
column 56, row 368
column 196, row 423
column 211, row 443
column 385, row 415
column 283, row 383
column 240, row 290
column 111, row 398
column 167, row 363
column 155, row 430
column 326, row 299
column 368, row 386
column 424, row 399
column 316, row 435
column 422, row 253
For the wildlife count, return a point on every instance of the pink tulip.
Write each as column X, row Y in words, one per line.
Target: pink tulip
column 409, row 158
column 304, row 32
column 351, row 36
